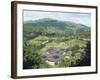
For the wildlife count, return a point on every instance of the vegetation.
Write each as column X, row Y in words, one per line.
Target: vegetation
column 44, row 34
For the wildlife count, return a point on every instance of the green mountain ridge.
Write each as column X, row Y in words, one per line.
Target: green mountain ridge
column 52, row 26
column 53, row 22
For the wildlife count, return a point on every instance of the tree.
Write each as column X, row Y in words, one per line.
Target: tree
column 86, row 56
column 32, row 58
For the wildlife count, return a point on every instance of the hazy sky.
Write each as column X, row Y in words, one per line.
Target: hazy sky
column 82, row 18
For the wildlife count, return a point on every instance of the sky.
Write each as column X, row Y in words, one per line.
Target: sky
column 81, row 18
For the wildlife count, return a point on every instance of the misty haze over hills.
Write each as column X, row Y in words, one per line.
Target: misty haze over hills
column 80, row 18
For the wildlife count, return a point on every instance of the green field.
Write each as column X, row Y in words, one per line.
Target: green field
column 50, row 43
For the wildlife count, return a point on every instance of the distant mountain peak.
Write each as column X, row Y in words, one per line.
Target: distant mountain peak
column 47, row 19
column 53, row 22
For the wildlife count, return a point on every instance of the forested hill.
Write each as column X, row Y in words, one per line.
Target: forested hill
column 52, row 26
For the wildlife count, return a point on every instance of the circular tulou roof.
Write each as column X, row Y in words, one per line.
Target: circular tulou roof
column 53, row 54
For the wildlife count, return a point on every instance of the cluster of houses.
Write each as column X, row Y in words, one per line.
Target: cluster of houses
column 54, row 55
